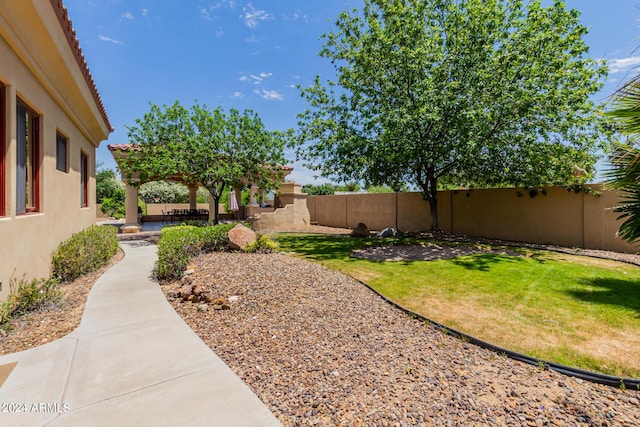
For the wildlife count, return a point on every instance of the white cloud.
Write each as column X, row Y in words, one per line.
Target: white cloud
column 270, row 94
column 623, row 64
column 253, row 16
column 145, row 12
column 224, row 3
column 219, row 32
column 109, row 39
column 255, row 78
column 299, row 15
column 204, row 14
column 127, row 15
column 237, row 95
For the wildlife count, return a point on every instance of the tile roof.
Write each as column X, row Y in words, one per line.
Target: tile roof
column 70, row 33
column 123, row 147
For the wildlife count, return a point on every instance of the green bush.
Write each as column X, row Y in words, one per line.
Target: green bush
column 179, row 244
column 114, row 205
column 28, row 295
column 85, row 252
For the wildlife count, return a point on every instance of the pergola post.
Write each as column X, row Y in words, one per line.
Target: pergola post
column 252, row 195
column 131, row 209
column 193, row 202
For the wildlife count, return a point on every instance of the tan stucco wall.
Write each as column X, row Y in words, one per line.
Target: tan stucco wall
column 559, row 217
column 40, row 79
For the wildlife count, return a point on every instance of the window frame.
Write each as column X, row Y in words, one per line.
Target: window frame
column 60, row 137
column 84, row 179
column 32, row 160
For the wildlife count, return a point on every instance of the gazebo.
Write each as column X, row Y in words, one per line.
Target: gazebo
column 132, row 225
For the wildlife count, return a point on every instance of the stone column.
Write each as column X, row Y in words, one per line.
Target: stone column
column 261, row 197
column 193, row 202
column 252, row 195
column 132, row 225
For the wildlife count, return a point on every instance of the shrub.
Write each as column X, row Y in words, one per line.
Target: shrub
column 262, row 244
column 115, row 205
column 28, row 295
column 179, row 244
column 85, row 252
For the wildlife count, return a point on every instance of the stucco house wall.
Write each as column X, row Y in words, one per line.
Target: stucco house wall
column 42, row 67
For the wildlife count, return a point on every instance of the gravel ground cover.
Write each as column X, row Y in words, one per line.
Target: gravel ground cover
column 319, row 348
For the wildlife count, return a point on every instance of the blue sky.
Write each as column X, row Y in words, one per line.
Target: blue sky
column 252, row 54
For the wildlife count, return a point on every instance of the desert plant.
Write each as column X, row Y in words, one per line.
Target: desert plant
column 28, row 295
column 84, row 252
column 262, row 244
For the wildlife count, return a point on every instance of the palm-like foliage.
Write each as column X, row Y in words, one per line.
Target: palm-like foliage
column 624, row 174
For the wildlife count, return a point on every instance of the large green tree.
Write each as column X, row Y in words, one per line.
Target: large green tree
column 454, row 91
column 624, row 174
column 213, row 149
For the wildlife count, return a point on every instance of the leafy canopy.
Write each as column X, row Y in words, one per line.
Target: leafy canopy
column 475, row 91
column 202, row 147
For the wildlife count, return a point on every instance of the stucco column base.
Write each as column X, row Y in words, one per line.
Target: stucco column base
column 131, row 228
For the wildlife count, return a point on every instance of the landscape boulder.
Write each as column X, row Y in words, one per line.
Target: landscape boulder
column 241, row 236
column 361, row 230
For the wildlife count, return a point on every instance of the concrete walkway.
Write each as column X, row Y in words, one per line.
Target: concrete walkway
column 131, row 362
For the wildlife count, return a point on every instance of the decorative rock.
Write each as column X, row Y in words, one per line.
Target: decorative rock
column 189, row 272
column 203, row 307
column 197, row 290
column 220, row 301
column 207, row 297
column 240, row 236
column 361, row 230
column 389, row 232
column 233, row 298
column 216, row 307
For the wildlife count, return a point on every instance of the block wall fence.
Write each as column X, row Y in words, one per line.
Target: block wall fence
column 555, row 216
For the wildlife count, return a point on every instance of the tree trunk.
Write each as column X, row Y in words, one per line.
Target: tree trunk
column 430, row 194
column 216, row 209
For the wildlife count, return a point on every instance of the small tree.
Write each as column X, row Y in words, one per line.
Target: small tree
column 107, row 184
column 318, row 190
column 202, row 147
column 491, row 92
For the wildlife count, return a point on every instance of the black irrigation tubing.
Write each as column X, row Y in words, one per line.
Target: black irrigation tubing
column 618, row 382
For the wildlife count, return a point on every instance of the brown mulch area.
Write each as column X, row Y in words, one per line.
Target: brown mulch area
column 53, row 321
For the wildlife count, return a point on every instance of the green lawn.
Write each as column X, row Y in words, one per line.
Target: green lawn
column 573, row 310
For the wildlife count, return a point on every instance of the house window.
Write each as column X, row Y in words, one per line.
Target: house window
column 84, row 180
column 27, row 160
column 3, row 135
column 61, row 153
